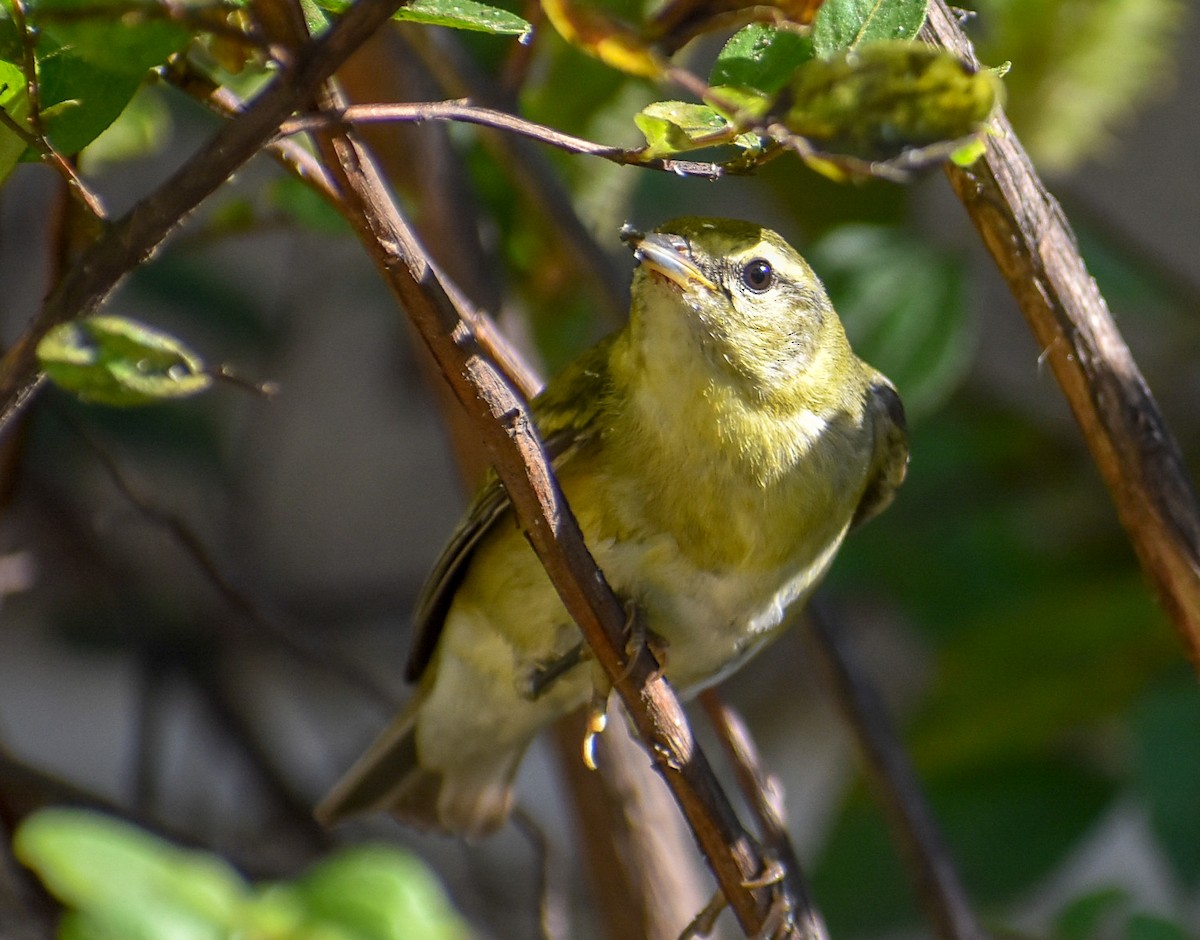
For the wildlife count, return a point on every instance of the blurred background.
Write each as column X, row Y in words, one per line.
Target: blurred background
column 205, row 605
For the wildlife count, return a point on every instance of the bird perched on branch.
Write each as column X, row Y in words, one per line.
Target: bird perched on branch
column 716, row 451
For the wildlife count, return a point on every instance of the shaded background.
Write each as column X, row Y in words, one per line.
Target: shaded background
column 1043, row 695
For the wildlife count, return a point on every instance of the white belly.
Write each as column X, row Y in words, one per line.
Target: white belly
column 712, row 621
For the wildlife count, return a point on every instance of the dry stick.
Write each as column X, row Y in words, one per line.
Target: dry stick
column 130, row 240
column 464, row 112
column 895, row 780
column 765, row 800
column 507, row 432
column 1033, row 245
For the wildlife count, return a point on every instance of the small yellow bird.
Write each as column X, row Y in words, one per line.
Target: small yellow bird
column 716, row 451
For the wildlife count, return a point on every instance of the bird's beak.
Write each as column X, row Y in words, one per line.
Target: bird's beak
column 663, row 254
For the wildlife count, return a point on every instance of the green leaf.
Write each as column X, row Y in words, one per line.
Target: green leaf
column 379, row 893
column 114, row 361
column 458, row 14
column 1166, row 731
column 848, row 24
column 887, row 99
column 672, row 127
column 14, row 99
column 761, row 57
column 141, row 130
column 124, row 882
column 89, row 67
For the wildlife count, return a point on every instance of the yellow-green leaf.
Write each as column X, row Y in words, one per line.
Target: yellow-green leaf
column 676, row 126
column 114, row 361
column 879, row 101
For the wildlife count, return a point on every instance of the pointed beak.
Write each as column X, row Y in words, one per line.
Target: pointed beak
column 664, row 254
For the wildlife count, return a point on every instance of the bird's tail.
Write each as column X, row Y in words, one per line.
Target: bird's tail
column 471, row 799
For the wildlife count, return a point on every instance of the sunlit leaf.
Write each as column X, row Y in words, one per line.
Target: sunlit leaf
column 878, row 102
column 676, row 126
column 761, row 57
column 603, row 38
column 458, row 14
column 89, row 67
column 379, row 891
column 14, row 99
column 848, row 24
column 677, row 22
column 114, row 361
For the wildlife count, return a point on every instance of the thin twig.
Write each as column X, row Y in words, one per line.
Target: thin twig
column 528, row 166
column 1032, row 244
column 888, row 766
column 193, row 546
column 463, row 111
column 37, row 137
column 763, row 795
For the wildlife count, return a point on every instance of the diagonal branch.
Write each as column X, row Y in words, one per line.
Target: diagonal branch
column 517, row 455
column 1033, row 246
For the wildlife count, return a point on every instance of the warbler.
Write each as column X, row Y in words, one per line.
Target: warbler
column 716, row 450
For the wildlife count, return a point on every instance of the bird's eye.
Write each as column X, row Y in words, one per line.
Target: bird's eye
column 758, row 275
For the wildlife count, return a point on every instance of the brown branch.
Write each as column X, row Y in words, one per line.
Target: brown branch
column 1033, row 246
column 465, row 112
column 507, row 432
column 130, row 240
column 765, row 800
column 646, row 881
column 895, row 781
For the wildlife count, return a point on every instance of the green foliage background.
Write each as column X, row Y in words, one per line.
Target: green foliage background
column 1043, row 691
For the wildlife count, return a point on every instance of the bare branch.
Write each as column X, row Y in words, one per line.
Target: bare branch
column 1032, row 244
column 765, row 799
column 464, row 112
column 507, row 431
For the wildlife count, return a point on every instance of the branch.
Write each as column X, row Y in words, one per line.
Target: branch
column 464, row 112
column 507, row 431
column 1033, row 246
column 132, row 239
column 765, row 799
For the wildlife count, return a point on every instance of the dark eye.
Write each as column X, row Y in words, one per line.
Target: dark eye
column 758, row 275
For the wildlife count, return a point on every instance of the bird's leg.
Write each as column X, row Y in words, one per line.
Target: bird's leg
column 545, row 673
column 638, row 637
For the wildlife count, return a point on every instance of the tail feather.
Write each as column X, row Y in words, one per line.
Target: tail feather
column 471, row 799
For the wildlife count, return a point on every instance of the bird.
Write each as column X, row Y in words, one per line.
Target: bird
column 715, row 450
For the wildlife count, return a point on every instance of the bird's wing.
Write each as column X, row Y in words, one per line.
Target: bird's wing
column 889, row 461
column 568, row 415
